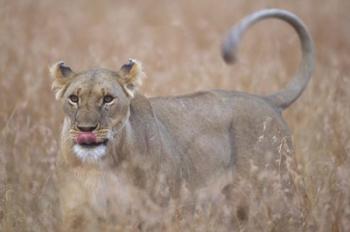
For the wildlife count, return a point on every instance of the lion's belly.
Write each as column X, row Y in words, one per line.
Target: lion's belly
column 208, row 154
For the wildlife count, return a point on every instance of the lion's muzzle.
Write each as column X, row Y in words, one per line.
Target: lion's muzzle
column 89, row 146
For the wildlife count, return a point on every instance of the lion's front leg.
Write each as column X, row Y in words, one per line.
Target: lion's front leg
column 72, row 202
column 80, row 202
column 73, row 199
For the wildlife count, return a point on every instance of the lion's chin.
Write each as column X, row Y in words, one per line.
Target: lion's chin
column 90, row 153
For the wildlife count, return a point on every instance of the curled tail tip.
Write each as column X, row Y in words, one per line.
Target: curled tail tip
column 229, row 58
column 229, row 53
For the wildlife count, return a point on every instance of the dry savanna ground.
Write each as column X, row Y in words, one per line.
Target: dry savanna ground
column 178, row 43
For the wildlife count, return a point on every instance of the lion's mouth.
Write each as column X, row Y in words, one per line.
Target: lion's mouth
column 94, row 144
column 89, row 140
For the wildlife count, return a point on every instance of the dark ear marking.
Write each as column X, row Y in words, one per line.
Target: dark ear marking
column 127, row 67
column 130, row 76
column 65, row 70
column 62, row 75
column 61, row 71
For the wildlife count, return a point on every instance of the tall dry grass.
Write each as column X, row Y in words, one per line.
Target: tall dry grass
column 178, row 42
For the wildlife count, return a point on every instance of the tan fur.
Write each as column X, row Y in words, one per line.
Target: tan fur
column 168, row 141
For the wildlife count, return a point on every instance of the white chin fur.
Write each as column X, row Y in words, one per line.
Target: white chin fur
column 89, row 154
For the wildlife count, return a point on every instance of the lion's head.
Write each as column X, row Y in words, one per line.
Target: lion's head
column 96, row 104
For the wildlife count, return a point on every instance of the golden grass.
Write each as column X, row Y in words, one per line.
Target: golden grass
column 178, row 43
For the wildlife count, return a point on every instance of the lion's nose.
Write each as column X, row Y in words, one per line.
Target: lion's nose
column 87, row 128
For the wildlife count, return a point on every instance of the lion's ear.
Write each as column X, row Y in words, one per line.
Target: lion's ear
column 131, row 76
column 62, row 76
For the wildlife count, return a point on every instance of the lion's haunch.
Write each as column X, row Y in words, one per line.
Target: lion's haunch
column 86, row 138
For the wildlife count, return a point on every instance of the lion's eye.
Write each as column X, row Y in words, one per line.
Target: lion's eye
column 74, row 98
column 107, row 99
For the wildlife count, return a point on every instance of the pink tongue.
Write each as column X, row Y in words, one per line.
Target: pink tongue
column 86, row 138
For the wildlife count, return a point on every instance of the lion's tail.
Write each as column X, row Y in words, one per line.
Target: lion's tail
column 295, row 88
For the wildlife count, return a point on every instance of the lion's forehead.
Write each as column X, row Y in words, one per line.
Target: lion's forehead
column 98, row 73
column 98, row 84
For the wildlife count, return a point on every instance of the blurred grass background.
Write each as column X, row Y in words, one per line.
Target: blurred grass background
column 178, row 43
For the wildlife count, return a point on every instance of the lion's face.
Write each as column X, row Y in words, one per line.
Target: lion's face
column 96, row 104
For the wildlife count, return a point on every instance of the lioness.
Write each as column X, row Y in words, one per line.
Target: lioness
column 110, row 129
